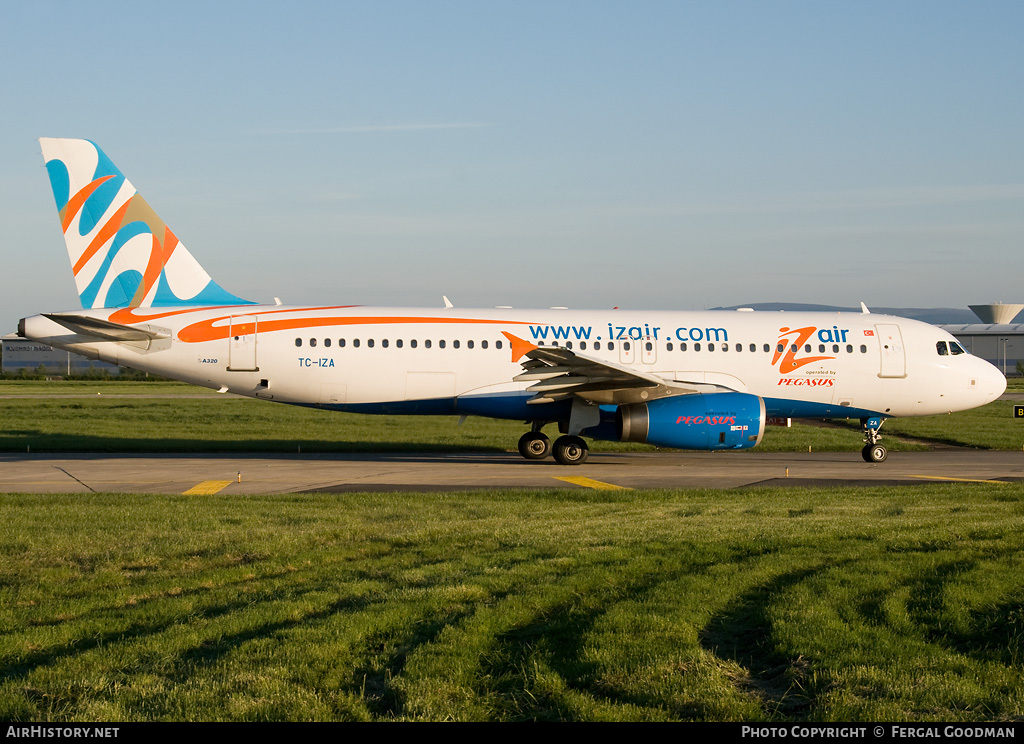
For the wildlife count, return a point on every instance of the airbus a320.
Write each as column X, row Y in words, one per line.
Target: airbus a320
column 691, row 380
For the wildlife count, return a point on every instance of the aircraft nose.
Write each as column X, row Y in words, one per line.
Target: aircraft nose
column 991, row 382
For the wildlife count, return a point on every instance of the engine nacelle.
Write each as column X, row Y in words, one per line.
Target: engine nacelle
column 702, row 421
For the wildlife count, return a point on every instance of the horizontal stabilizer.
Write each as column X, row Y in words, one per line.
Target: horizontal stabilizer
column 104, row 329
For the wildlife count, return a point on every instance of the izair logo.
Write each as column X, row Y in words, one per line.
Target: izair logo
column 792, row 339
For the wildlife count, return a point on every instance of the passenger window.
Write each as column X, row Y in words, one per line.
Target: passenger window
column 568, row 344
column 625, row 346
column 384, row 343
column 711, row 347
column 497, row 344
column 767, row 347
column 414, row 343
column 649, row 346
column 821, row 348
column 398, row 343
column 863, row 349
column 327, row 342
column 298, row 342
column 355, row 342
column 835, row 348
column 426, row 344
column 781, row 348
column 455, row 344
column 369, row 343
column 941, row 348
column 440, row 344
column 849, row 348
column 483, row 344
column 341, row 342
column 807, row 348
column 696, row 347
column 668, row 346
column 312, row 342
column 682, row 346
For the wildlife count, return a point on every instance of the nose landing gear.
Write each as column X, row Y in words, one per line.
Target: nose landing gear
column 873, row 451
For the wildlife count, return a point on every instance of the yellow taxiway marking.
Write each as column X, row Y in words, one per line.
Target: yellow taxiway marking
column 206, row 488
column 579, row 480
column 962, row 480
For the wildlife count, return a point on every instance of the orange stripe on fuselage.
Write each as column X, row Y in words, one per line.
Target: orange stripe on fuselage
column 128, row 314
column 206, row 330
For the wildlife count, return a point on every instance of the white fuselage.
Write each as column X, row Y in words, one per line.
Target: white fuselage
column 453, row 360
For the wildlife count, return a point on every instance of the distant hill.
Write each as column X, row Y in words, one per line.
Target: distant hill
column 934, row 315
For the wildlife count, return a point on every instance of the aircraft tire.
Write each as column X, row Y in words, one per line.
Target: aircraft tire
column 569, row 450
column 534, row 445
column 874, row 453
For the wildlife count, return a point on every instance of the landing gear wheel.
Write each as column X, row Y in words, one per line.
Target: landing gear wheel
column 569, row 450
column 874, row 453
column 534, row 445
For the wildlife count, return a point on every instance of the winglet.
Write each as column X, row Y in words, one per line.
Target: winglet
column 520, row 347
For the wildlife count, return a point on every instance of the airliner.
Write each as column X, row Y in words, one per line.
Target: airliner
column 709, row 380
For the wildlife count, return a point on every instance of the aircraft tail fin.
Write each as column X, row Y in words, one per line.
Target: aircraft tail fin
column 122, row 254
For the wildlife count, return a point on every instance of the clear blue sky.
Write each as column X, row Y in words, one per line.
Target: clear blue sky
column 590, row 154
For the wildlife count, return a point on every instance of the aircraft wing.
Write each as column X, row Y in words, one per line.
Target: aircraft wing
column 560, row 374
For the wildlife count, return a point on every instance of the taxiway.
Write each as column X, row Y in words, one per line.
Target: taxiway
column 261, row 473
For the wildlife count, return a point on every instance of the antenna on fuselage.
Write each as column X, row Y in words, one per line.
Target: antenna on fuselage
column 447, row 302
column 864, row 309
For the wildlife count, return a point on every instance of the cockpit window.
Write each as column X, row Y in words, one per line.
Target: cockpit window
column 941, row 348
column 956, row 348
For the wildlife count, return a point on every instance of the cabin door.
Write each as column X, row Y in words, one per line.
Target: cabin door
column 890, row 343
column 242, row 343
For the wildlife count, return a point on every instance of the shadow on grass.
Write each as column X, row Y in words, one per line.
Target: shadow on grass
column 36, row 441
column 743, row 633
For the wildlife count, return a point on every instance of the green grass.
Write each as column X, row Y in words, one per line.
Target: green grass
column 97, row 421
column 764, row 604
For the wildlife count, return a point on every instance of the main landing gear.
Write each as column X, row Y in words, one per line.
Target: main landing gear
column 873, row 451
column 567, row 450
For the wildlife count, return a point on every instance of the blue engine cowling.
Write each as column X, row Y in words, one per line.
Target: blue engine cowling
column 702, row 421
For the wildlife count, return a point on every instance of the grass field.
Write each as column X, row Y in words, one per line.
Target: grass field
column 846, row 604
column 872, row 604
column 119, row 417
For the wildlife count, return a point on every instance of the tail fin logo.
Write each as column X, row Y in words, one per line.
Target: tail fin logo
column 122, row 254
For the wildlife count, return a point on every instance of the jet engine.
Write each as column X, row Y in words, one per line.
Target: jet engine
column 702, row 421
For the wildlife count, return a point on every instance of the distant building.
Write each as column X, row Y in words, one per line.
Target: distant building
column 996, row 338
column 999, row 343
column 21, row 354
